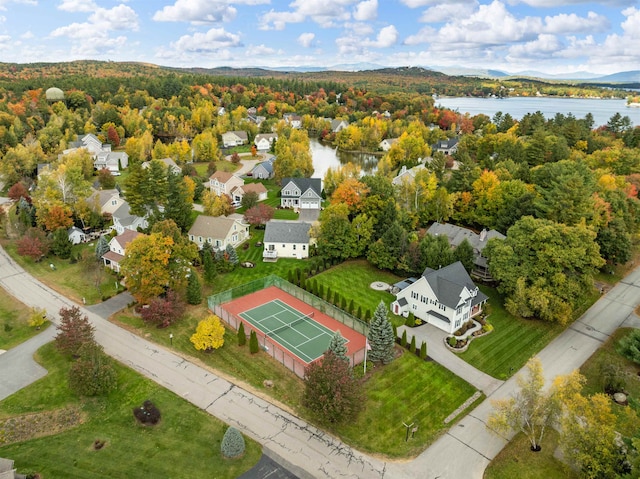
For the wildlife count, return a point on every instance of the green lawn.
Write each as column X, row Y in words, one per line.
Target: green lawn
column 512, row 342
column 230, row 360
column 74, row 281
column 607, row 354
column 517, row 460
column 408, row 390
column 168, row 449
column 352, row 280
column 14, row 317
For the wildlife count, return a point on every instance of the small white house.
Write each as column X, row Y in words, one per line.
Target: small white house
column 263, row 141
column 118, row 248
column 286, row 239
column 445, row 298
column 76, row 235
column 385, row 145
column 234, row 138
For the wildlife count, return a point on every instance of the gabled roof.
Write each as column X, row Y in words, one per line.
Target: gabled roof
column 267, row 165
column 212, row 226
column 257, row 188
column 266, row 136
column 304, row 184
column 457, row 234
column 446, row 144
column 171, row 165
column 239, row 133
column 126, row 237
column 286, row 232
column 124, row 216
column 448, row 283
column 224, row 176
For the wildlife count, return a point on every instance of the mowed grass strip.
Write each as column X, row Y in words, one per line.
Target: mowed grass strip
column 409, row 390
column 352, row 279
column 14, row 321
column 233, row 361
column 512, row 342
column 186, row 442
column 517, row 460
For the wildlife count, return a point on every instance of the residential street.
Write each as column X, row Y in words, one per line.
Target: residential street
column 463, row 452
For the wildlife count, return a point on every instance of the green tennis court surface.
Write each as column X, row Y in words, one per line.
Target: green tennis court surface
column 292, row 329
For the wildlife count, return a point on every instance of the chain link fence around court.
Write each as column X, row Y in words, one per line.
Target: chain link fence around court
column 274, row 349
column 299, row 293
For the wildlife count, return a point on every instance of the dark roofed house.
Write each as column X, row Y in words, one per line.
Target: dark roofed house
column 264, row 169
column 457, row 234
column 446, row 298
column 301, row 193
column 286, row 239
column 448, row 147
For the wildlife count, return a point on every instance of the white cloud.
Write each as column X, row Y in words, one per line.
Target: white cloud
column 543, row 47
column 429, row 3
column 306, row 39
column 358, row 29
column 202, row 11
column 27, row 35
column 77, row 6
column 99, row 25
column 447, row 11
column 326, row 13
column 387, row 37
column 260, row 50
column 211, row 41
column 425, row 35
column 572, row 23
column 367, row 10
column 557, row 3
column 4, row 3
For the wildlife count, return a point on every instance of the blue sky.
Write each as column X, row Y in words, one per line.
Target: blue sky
column 551, row 36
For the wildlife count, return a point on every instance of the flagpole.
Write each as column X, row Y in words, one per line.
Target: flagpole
column 366, row 347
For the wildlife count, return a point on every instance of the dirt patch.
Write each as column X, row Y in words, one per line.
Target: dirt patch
column 31, row 426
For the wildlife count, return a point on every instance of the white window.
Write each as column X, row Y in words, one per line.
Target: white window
column 294, row 247
column 199, row 239
column 287, row 193
column 304, row 247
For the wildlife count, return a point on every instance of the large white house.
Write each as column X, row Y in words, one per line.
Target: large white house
column 263, row 141
column 301, row 193
column 117, row 249
column 445, row 298
column 286, row 239
column 101, row 153
column 234, row 138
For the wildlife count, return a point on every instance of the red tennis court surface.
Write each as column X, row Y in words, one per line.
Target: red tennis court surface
column 356, row 341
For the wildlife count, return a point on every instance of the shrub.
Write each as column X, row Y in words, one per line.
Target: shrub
column 403, row 340
column 452, row 341
column 612, row 378
column 148, row 413
column 242, row 337
column 410, row 321
column 629, row 346
column 412, row 348
column 487, row 327
column 232, row 443
column 254, row 347
column 37, row 317
column 93, row 373
column 163, row 311
column 423, row 350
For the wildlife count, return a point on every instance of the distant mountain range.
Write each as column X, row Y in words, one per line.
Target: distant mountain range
column 632, row 76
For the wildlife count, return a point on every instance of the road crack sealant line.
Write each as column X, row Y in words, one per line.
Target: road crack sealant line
column 467, row 445
column 588, row 335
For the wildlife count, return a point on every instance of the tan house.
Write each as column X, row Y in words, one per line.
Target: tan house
column 223, row 183
column 234, row 138
column 219, row 231
column 106, row 201
column 258, row 188
column 117, row 249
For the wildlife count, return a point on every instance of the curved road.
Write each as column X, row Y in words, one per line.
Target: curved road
column 463, row 452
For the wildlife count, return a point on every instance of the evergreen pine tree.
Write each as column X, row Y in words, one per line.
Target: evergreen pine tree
column 290, row 276
column 381, row 337
column 352, row 308
column 423, row 350
column 242, row 337
column 367, row 316
column 359, row 313
column 329, row 294
column 232, row 255
column 208, row 266
column 61, row 246
column 321, row 291
column 403, row 340
column 343, row 304
column 232, row 443
column 178, row 208
column 102, row 246
column 254, row 347
column 194, row 290
column 412, row 348
column 337, row 345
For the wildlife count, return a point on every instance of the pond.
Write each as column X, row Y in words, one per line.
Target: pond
column 326, row 156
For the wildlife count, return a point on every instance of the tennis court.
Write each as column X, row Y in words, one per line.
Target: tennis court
column 295, row 330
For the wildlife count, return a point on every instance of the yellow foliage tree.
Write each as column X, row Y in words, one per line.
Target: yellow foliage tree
column 209, row 334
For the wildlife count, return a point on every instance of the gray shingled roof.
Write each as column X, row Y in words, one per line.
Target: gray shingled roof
column 447, row 283
column 286, row 232
column 457, row 234
column 304, row 184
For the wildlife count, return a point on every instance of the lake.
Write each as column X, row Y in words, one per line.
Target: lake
column 517, row 107
column 326, row 156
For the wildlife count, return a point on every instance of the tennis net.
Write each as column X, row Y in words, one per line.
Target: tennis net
column 299, row 320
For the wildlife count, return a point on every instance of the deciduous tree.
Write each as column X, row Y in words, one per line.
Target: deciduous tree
column 209, row 334
column 145, row 266
column 74, row 330
column 163, row 311
column 331, row 391
column 259, row 215
column 92, row 374
column 33, row 244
